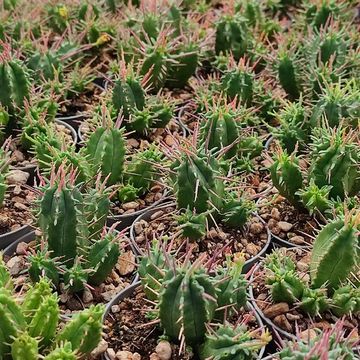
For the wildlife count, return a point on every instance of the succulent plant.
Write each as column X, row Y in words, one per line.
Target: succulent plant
column 30, row 326
column 238, row 83
column 232, row 36
column 192, row 226
column 128, row 93
column 4, row 168
column 332, row 342
column 196, row 185
column 231, row 287
column 141, row 171
column 153, row 268
column 233, row 342
column 287, row 177
column 335, row 253
column 105, row 150
column 236, row 210
column 288, row 73
column 316, row 199
column 293, row 130
column 73, row 225
column 282, row 278
column 220, row 130
column 337, row 105
column 345, row 300
column 334, row 159
column 314, row 301
column 58, row 17
column 186, row 303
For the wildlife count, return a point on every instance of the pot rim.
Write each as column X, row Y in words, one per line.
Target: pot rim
column 130, row 289
column 248, row 263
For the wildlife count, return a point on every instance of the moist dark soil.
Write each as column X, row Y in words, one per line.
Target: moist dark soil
column 289, row 318
column 16, row 210
column 217, row 243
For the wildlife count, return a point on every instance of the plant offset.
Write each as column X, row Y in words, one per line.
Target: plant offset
column 208, row 148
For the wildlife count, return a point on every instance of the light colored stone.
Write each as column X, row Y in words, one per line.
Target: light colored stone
column 111, row 354
column 21, row 248
column 87, row 296
column 124, row 355
column 308, row 334
column 283, row 323
column 256, row 227
column 133, row 143
column 275, row 214
column 284, row 226
column 16, row 264
column 297, row 240
column 163, row 349
column 276, row 309
column 20, row 206
column 132, row 205
column 115, row 309
column 156, row 215
column 302, row 266
column 252, row 249
column 126, row 263
column 169, row 140
column 138, row 227
column 154, row 356
column 17, row 177
column 100, row 349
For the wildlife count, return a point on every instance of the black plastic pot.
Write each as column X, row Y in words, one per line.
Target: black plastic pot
column 31, row 169
column 72, row 120
column 128, row 292
column 27, row 237
column 147, row 215
column 13, row 236
column 127, row 220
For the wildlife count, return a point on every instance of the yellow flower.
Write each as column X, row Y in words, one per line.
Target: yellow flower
column 63, row 12
column 103, row 38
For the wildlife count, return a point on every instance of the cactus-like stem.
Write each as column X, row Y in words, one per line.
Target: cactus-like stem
column 5, row 277
column 84, row 330
column 59, row 217
column 231, row 286
column 232, row 343
column 236, row 211
column 41, row 264
column 345, row 301
column 192, row 226
column 220, row 130
column 287, row 177
column 25, row 347
column 128, row 95
column 103, row 256
column 314, row 301
column 288, row 77
column 44, row 322
column 141, row 171
column 335, row 254
column 62, row 352
column 152, row 270
column 75, row 277
column 196, row 184
column 34, row 297
column 106, row 151
column 232, row 35
column 282, row 278
column 186, row 304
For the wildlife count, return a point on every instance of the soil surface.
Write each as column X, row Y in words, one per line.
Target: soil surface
column 155, row 194
column 130, row 327
column 121, row 277
column 289, row 318
column 16, row 210
column 217, row 243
